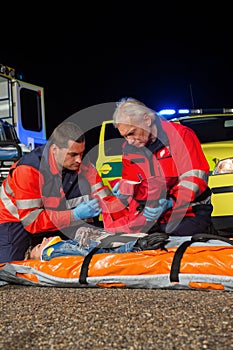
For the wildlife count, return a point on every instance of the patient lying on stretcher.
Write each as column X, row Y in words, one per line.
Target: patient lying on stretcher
column 87, row 239
column 81, row 245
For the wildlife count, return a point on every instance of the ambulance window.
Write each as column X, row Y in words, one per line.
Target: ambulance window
column 211, row 129
column 31, row 109
column 112, row 141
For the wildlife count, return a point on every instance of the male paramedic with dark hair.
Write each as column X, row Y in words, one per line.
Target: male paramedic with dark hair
column 156, row 149
column 48, row 192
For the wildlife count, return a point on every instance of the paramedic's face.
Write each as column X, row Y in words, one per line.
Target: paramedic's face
column 136, row 134
column 36, row 251
column 69, row 158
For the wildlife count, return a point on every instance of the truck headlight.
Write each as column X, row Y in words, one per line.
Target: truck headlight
column 224, row 166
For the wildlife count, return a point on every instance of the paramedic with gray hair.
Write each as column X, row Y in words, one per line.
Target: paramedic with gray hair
column 153, row 149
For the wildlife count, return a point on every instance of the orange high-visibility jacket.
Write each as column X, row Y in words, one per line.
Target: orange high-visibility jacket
column 39, row 197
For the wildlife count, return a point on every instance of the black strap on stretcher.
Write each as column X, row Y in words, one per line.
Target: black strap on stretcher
column 157, row 240
column 84, row 268
column 175, row 267
column 198, row 237
column 105, row 243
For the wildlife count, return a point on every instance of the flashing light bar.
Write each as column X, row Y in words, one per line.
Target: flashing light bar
column 169, row 112
column 183, row 111
column 172, row 113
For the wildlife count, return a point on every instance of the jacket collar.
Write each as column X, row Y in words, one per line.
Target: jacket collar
column 52, row 163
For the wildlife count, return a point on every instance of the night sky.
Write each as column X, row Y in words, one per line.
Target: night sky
column 165, row 57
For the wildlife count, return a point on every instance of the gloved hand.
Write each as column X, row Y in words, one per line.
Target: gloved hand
column 154, row 240
column 117, row 193
column 85, row 235
column 152, row 214
column 86, row 210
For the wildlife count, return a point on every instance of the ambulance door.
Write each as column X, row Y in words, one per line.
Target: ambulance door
column 109, row 161
column 29, row 113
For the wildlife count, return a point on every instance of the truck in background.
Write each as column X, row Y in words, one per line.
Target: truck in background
column 22, row 118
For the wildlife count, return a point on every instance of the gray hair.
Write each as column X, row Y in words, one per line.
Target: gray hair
column 133, row 109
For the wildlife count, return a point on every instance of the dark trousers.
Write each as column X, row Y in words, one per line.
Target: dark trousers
column 15, row 240
column 188, row 226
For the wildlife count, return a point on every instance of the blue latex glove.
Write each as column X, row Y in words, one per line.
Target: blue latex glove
column 152, row 214
column 86, row 210
column 116, row 192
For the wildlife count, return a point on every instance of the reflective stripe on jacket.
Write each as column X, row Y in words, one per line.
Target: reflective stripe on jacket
column 35, row 194
column 177, row 157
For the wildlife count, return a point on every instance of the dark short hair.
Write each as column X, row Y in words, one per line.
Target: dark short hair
column 65, row 132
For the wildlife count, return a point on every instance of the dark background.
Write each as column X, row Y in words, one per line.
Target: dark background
column 171, row 55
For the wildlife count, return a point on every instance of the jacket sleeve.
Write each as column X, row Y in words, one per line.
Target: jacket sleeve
column 26, row 184
column 192, row 168
column 90, row 172
column 112, row 208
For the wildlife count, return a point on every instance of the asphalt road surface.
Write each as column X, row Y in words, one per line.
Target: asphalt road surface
column 103, row 319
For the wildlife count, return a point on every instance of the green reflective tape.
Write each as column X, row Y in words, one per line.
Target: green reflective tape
column 114, row 172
